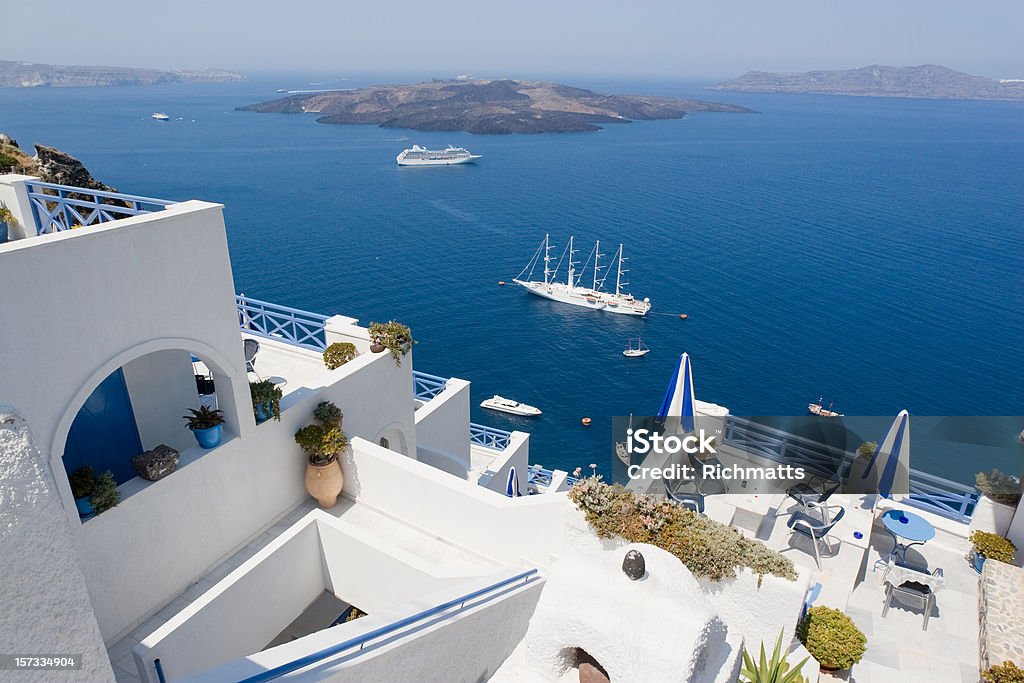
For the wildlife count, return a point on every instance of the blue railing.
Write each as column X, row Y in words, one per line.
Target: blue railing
column 489, row 437
column 935, row 494
column 540, row 476
column 290, row 325
column 63, row 207
column 361, row 641
column 426, row 387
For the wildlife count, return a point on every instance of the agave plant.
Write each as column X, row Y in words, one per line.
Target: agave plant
column 774, row 670
column 204, row 418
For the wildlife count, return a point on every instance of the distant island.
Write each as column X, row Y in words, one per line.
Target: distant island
column 485, row 106
column 928, row 81
column 29, row 75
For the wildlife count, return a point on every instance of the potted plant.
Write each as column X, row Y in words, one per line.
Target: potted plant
column 105, row 495
column 7, row 221
column 989, row 546
column 339, row 353
column 867, row 449
column 266, row 400
column 832, row 638
column 83, row 483
column 322, row 442
column 205, row 424
column 393, row 336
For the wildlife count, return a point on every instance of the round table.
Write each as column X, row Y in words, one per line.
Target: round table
column 905, row 525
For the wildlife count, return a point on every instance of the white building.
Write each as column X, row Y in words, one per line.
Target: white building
column 224, row 570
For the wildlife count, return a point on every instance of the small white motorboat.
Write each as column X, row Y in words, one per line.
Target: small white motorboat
column 160, row 116
column 507, row 405
column 635, row 351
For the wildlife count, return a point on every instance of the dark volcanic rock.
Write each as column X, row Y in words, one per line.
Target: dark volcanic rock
column 54, row 166
column 634, row 565
column 484, row 106
column 157, row 463
column 928, row 81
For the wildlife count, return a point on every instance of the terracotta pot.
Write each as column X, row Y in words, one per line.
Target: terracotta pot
column 377, row 348
column 324, row 483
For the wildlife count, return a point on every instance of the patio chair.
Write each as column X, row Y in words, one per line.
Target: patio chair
column 251, row 348
column 692, row 501
column 706, row 486
column 807, row 497
column 808, row 525
column 905, row 581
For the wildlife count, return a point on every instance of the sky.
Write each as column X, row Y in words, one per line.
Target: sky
column 672, row 39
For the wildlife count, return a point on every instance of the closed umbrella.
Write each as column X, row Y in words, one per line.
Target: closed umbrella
column 889, row 467
column 679, row 402
column 512, row 486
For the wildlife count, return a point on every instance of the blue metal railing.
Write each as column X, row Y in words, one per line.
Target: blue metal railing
column 489, row 437
column 290, row 325
column 935, row 494
column 63, row 207
column 541, row 476
column 362, row 640
column 426, row 387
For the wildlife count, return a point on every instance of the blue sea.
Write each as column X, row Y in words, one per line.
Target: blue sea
column 868, row 250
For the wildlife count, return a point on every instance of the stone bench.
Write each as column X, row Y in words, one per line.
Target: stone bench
column 1001, row 614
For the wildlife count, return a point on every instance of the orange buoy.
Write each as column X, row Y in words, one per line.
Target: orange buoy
column 682, row 316
column 501, row 283
column 586, row 421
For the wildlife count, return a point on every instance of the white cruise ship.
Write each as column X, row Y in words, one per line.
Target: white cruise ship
column 572, row 292
column 449, row 156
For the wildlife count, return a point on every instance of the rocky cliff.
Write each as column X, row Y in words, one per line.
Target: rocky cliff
column 485, row 106
column 49, row 164
column 927, row 81
column 29, row 75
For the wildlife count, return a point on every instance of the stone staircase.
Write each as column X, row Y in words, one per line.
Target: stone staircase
column 1001, row 614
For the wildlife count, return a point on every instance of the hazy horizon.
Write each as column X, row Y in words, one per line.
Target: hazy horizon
column 656, row 39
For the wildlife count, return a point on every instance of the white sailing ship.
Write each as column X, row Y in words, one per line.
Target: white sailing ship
column 637, row 351
column 507, row 405
column 572, row 291
column 449, row 156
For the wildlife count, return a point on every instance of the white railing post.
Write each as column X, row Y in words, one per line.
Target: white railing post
column 14, row 195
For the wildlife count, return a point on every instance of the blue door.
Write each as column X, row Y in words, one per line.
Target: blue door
column 104, row 434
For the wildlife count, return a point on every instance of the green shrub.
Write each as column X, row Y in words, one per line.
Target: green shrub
column 7, row 162
column 831, row 637
column 1007, row 672
column 775, row 670
column 327, row 413
column 393, row 336
column 867, row 449
column 993, row 546
column 339, row 353
column 323, row 442
column 83, row 482
column 105, row 495
column 709, row 549
column 1000, row 487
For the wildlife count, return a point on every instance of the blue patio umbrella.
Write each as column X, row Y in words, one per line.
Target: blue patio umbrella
column 890, row 464
column 512, row 486
column 679, row 401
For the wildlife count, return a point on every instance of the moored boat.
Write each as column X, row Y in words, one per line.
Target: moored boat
column 507, row 405
column 820, row 410
column 637, row 351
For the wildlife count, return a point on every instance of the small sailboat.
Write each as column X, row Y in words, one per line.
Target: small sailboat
column 640, row 349
column 507, row 405
column 820, row 410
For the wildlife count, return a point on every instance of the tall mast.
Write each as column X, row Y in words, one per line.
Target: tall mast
column 547, row 257
column 618, row 277
column 597, row 255
column 572, row 270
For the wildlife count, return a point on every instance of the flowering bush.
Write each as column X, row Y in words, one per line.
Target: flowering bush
column 1007, row 672
column 831, row 637
column 709, row 549
column 993, row 546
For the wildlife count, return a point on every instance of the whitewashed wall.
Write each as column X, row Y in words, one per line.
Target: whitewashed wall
column 142, row 553
column 505, row 529
column 442, row 429
column 162, row 388
column 517, row 455
column 44, row 603
column 93, row 299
